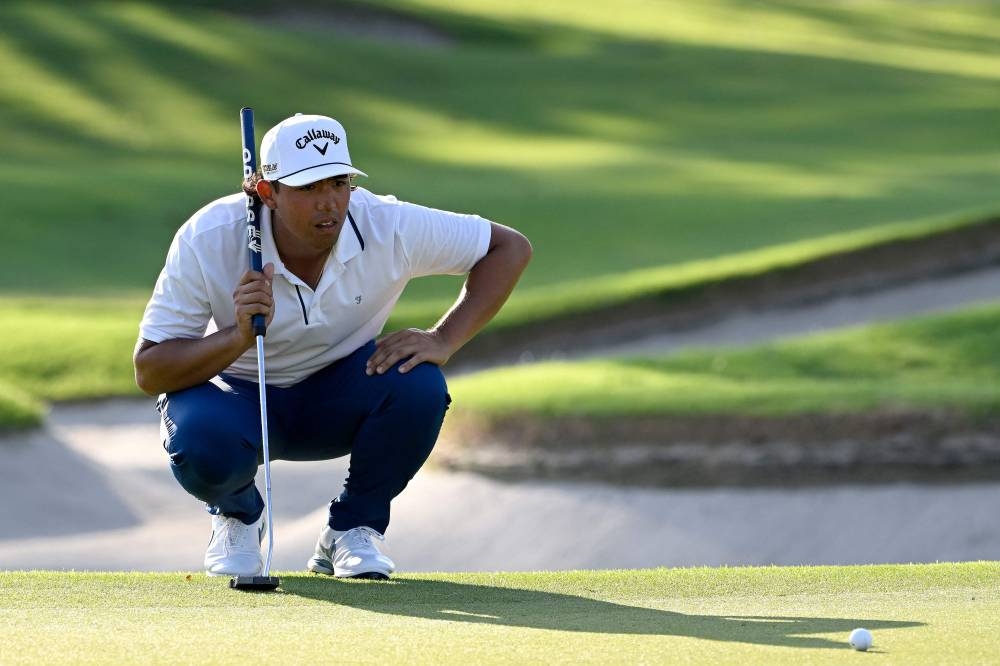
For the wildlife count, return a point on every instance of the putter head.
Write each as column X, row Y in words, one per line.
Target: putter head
column 255, row 583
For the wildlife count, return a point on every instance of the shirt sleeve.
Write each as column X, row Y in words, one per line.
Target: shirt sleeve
column 179, row 306
column 438, row 242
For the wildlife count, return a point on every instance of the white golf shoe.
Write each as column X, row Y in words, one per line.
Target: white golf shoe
column 350, row 554
column 234, row 549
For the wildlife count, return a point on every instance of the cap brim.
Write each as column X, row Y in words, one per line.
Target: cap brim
column 321, row 172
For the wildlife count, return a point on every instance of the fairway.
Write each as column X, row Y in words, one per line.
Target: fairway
column 919, row 614
column 645, row 155
column 938, row 362
column 659, row 136
column 676, row 166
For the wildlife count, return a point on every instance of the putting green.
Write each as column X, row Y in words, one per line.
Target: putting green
column 933, row 614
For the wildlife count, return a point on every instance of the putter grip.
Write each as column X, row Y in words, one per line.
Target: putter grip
column 253, row 204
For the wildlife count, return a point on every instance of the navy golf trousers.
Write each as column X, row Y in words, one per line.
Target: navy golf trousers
column 387, row 423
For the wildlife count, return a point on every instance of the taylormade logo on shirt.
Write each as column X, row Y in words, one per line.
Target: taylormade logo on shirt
column 362, row 280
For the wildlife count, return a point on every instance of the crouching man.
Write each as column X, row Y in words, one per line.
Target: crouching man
column 336, row 259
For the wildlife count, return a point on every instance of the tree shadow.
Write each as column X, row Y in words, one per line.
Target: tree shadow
column 482, row 604
column 87, row 501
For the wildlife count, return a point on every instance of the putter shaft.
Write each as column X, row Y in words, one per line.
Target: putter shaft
column 267, row 453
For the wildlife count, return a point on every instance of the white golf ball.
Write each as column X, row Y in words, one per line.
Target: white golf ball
column 860, row 639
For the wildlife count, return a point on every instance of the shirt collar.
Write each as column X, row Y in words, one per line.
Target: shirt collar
column 268, row 250
column 349, row 244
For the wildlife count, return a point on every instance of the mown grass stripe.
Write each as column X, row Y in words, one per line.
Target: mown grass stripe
column 936, row 613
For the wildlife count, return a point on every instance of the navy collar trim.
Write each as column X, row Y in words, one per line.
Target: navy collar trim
column 361, row 241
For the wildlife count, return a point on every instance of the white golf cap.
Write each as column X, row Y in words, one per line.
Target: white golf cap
column 303, row 149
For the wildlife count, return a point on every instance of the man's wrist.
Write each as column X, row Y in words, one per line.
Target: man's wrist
column 450, row 344
column 236, row 340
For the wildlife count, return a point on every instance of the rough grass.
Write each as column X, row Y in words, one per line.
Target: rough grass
column 69, row 348
column 533, row 304
column 943, row 362
column 651, row 139
column 18, row 409
column 64, row 349
column 919, row 614
column 651, row 152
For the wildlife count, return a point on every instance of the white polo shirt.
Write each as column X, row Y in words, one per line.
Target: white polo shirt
column 382, row 246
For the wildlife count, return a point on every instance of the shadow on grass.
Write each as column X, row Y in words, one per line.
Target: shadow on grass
column 482, row 604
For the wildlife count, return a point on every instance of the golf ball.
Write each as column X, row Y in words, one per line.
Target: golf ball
column 860, row 639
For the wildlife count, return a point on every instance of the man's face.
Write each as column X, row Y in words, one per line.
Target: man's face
column 308, row 217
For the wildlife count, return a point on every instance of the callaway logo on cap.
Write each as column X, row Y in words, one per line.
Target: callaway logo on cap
column 303, row 149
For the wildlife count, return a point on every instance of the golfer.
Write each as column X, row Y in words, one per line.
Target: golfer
column 336, row 258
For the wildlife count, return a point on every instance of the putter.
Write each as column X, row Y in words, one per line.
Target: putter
column 265, row 582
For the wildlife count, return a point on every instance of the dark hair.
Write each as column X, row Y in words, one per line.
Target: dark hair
column 250, row 184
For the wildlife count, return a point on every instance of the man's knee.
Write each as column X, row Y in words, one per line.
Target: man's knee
column 198, row 463
column 424, row 389
column 206, row 456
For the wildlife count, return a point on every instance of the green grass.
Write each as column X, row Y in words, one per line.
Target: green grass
column 18, row 409
column 643, row 154
column 929, row 363
column 919, row 614
column 67, row 348
column 647, row 140
column 64, row 349
column 534, row 304
column 943, row 362
column 70, row 348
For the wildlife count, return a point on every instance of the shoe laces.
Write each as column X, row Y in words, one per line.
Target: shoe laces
column 361, row 537
column 238, row 534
